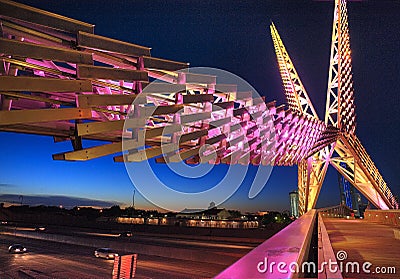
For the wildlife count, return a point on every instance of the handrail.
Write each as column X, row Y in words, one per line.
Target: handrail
column 290, row 246
column 325, row 253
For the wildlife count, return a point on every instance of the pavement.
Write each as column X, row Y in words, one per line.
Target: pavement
column 363, row 242
column 49, row 259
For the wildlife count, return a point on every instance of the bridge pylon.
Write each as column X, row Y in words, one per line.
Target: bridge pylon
column 338, row 145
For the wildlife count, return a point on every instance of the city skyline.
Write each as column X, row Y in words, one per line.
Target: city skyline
column 311, row 61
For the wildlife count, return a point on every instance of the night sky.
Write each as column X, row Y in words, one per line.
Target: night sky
column 234, row 36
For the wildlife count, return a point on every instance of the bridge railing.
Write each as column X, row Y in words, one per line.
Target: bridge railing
column 280, row 255
column 325, row 253
column 338, row 211
column 389, row 217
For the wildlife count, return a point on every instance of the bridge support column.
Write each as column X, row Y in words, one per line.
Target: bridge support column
column 311, row 174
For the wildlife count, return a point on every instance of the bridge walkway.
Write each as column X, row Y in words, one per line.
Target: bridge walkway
column 365, row 241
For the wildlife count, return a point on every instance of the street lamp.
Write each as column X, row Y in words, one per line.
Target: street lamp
column 133, row 201
column 133, row 208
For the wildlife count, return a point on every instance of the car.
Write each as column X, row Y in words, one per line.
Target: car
column 106, row 253
column 40, row 229
column 17, row 249
column 126, row 234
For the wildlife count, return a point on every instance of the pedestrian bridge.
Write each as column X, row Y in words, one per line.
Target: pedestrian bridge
column 322, row 244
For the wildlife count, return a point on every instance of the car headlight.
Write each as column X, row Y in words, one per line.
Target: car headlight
column 24, row 249
column 17, row 250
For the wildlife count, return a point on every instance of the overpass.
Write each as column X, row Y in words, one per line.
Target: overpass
column 51, row 83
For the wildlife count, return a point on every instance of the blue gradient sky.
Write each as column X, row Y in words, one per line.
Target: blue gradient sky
column 233, row 36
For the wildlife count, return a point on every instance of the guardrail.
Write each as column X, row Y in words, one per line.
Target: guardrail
column 337, row 211
column 389, row 217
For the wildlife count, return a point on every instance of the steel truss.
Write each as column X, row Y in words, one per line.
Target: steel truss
column 338, row 146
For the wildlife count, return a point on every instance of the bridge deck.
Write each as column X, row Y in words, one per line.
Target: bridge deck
column 364, row 241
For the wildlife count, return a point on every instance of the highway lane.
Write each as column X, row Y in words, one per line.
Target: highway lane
column 238, row 247
column 58, row 260
column 249, row 241
column 51, row 259
column 163, row 241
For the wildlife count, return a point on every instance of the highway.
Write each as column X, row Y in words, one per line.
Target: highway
column 153, row 238
column 142, row 238
column 48, row 259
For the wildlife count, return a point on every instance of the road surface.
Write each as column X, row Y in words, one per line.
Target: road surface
column 58, row 260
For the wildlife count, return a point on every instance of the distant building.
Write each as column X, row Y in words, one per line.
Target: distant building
column 349, row 195
column 190, row 213
column 214, row 218
column 212, row 205
column 262, row 213
column 212, row 214
column 294, row 204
